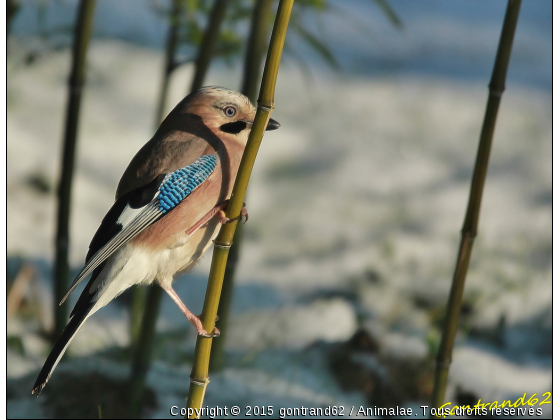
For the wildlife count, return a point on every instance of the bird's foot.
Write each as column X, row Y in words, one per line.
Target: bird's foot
column 219, row 211
column 192, row 318
column 224, row 219
column 215, row 334
column 201, row 331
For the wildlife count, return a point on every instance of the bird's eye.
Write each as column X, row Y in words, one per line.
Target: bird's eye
column 230, row 111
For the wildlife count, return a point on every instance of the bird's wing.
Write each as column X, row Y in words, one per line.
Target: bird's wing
column 179, row 141
column 138, row 209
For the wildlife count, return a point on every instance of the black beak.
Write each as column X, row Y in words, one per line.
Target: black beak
column 272, row 125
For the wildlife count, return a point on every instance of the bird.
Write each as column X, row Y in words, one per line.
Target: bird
column 168, row 208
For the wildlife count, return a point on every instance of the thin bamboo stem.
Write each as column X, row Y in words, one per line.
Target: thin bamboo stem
column 143, row 348
column 470, row 226
column 143, row 352
column 199, row 374
column 169, row 65
column 256, row 48
column 209, row 41
column 139, row 293
column 138, row 301
column 145, row 306
column 82, row 33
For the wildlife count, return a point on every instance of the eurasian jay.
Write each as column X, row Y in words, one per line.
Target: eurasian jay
column 169, row 205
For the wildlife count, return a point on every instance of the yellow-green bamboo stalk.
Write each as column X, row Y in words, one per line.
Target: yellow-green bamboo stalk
column 256, row 48
column 82, row 35
column 199, row 374
column 469, row 231
column 206, row 50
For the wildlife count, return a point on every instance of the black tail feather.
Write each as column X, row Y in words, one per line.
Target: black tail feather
column 60, row 347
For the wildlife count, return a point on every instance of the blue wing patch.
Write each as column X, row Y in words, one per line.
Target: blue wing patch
column 174, row 188
column 180, row 184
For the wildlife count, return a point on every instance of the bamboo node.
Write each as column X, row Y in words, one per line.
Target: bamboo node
column 75, row 86
column 444, row 364
column 62, row 242
column 198, row 382
column 496, row 91
column 469, row 234
column 222, row 246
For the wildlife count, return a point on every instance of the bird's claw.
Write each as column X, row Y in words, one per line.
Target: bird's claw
column 201, row 331
column 244, row 214
column 213, row 334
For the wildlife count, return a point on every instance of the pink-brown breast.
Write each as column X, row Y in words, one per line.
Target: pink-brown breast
column 172, row 228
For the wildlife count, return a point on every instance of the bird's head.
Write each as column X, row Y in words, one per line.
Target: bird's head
column 225, row 111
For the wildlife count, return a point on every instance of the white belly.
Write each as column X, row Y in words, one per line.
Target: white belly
column 134, row 264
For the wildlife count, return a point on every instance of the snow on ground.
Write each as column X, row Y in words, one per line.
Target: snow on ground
column 356, row 205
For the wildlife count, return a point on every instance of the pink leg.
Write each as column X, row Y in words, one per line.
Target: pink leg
column 193, row 319
column 218, row 210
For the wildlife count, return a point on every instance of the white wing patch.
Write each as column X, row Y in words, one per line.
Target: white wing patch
column 128, row 215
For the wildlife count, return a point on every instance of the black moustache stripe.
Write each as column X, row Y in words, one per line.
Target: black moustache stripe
column 234, row 127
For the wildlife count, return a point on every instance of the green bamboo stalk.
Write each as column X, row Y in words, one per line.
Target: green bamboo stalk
column 199, row 374
column 138, row 292
column 143, row 353
column 138, row 301
column 256, row 48
column 469, row 231
column 143, row 348
column 82, row 33
column 145, row 309
column 169, row 66
column 206, row 50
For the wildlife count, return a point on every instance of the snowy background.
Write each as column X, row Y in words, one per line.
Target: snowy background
column 356, row 205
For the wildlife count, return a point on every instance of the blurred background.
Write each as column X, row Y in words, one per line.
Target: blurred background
column 356, row 204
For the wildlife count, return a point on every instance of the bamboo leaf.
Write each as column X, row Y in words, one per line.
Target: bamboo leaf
column 300, row 62
column 390, row 13
column 358, row 25
column 317, row 45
